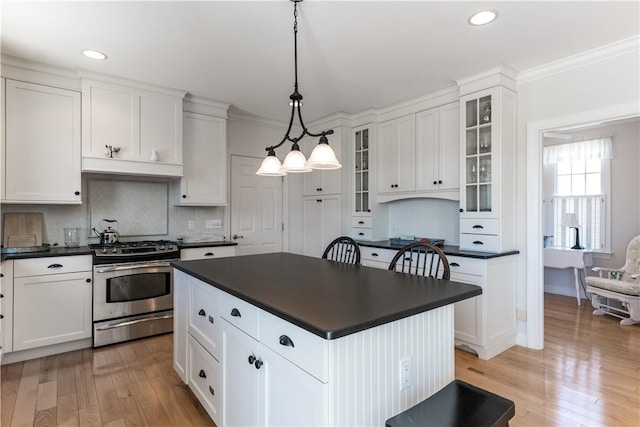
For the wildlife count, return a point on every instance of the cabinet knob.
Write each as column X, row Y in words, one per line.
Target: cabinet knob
column 1, row 296
column 319, row 200
column 286, row 341
column 318, row 189
column 77, row 193
column 252, row 359
column 184, row 196
column 87, row 280
column 440, row 182
column 1, row 316
column 236, row 313
column 202, row 313
column 202, row 374
column 461, row 210
column 55, row 266
column 209, row 254
column 1, row 275
column 258, row 364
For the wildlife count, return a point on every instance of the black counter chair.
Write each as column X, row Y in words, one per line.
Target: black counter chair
column 457, row 404
column 423, row 259
column 343, row 249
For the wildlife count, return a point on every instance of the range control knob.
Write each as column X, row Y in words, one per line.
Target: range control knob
column 104, row 250
column 162, row 247
column 170, row 247
column 114, row 250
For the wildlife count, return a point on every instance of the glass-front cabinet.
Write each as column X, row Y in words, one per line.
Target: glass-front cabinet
column 361, row 171
column 487, row 190
column 478, row 147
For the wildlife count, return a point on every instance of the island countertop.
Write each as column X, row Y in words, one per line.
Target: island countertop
column 328, row 299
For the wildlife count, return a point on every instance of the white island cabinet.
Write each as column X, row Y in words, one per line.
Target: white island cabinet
column 270, row 355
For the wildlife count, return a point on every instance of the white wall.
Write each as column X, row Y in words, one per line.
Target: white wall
column 598, row 85
column 432, row 218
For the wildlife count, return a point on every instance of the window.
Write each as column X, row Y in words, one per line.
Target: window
column 581, row 185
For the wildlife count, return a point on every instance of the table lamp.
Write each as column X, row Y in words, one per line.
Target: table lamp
column 571, row 221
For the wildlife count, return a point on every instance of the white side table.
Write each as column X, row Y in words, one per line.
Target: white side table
column 577, row 259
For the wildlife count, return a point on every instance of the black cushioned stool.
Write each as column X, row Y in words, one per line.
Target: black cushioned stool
column 457, row 404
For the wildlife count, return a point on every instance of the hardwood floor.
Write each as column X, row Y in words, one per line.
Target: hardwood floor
column 588, row 374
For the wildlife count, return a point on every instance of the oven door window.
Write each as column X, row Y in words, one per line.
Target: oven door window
column 136, row 287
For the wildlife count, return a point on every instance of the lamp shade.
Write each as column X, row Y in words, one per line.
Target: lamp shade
column 295, row 162
column 270, row 167
column 570, row 220
column 323, row 158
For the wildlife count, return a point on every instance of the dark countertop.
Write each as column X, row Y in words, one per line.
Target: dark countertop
column 53, row 251
column 206, row 244
column 447, row 249
column 328, row 299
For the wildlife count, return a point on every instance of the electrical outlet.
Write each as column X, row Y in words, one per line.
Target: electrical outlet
column 191, row 224
column 405, row 373
column 521, row 314
column 213, row 223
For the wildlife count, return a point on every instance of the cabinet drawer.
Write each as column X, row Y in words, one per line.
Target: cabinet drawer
column 204, row 316
column 239, row 313
column 459, row 264
column 361, row 222
column 205, row 379
column 377, row 254
column 362, row 233
column 479, row 226
column 302, row 348
column 188, row 254
column 479, row 242
column 51, row 265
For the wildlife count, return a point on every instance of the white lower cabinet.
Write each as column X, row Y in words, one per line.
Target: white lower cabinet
column 51, row 307
column 6, row 306
column 205, row 379
column 485, row 324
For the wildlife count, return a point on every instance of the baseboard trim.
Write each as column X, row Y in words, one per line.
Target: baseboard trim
column 34, row 353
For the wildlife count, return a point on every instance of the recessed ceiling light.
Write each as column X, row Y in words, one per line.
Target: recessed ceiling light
column 94, row 54
column 483, row 17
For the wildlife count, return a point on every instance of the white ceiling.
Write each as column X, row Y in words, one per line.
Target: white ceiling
column 353, row 55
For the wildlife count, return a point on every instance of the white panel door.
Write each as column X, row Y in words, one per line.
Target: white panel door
column 256, row 208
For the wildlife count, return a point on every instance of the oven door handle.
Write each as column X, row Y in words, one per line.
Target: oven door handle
column 132, row 267
column 133, row 322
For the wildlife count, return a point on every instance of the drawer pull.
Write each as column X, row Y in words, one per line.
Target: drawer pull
column 258, row 364
column 209, row 254
column 252, row 359
column 236, row 313
column 374, row 254
column 360, row 222
column 211, row 391
column 1, row 316
column 454, row 264
column 202, row 374
column 360, row 234
column 201, row 312
column 55, row 266
column 478, row 242
column 1, row 296
column 318, row 189
column 478, row 226
column 211, row 319
column 286, row 341
column 87, row 280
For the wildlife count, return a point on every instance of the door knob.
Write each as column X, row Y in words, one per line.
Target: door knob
column 235, row 236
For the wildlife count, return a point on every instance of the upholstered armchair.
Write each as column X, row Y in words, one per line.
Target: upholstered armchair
column 622, row 284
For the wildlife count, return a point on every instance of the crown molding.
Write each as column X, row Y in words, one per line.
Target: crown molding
column 200, row 105
column 151, row 87
column 603, row 53
column 238, row 116
column 499, row 76
column 39, row 72
column 440, row 97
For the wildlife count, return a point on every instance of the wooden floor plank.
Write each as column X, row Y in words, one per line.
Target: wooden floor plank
column 48, row 370
column 24, row 409
column 90, row 416
column 66, row 376
column 10, row 376
column 47, row 395
column 107, row 398
column 67, row 414
column 133, row 413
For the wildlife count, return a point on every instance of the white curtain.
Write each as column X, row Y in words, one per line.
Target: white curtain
column 592, row 149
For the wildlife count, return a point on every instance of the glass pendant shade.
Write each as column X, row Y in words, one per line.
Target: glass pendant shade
column 295, row 162
column 271, row 167
column 323, row 158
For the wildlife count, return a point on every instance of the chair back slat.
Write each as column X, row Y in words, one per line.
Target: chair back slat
column 423, row 259
column 343, row 249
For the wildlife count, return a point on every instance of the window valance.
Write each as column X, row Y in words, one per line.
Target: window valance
column 592, row 149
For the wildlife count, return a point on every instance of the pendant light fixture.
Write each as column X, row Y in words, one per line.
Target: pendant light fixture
column 322, row 157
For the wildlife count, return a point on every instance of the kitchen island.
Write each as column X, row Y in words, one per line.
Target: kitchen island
column 284, row 339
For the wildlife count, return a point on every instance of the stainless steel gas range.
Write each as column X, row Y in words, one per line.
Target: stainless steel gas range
column 132, row 290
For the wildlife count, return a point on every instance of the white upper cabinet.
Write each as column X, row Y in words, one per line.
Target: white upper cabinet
column 438, row 149
column 396, row 153
column 41, row 150
column 205, row 162
column 145, row 125
column 320, row 182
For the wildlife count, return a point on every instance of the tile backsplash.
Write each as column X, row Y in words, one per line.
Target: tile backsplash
column 133, row 201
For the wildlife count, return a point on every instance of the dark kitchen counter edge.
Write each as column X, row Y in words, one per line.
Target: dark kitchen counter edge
column 206, row 244
column 325, row 334
column 53, row 251
column 447, row 249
